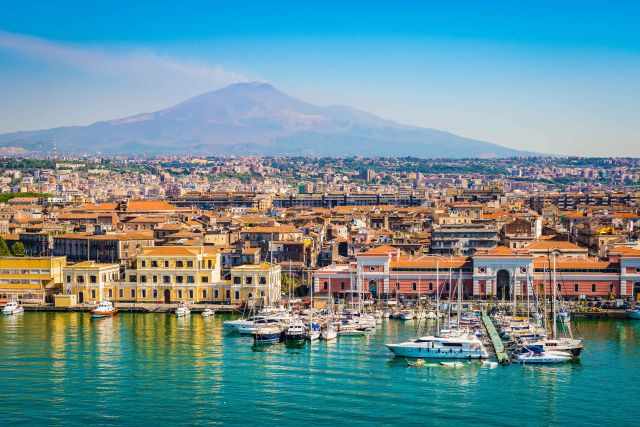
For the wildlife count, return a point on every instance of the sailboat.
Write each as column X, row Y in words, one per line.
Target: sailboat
column 450, row 345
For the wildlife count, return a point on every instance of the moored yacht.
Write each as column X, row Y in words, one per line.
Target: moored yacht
column 313, row 331
column 449, row 347
column 296, row 331
column 104, row 309
column 267, row 334
column 182, row 310
column 543, row 357
column 208, row 312
column 329, row 332
column 634, row 313
column 572, row 346
column 12, row 307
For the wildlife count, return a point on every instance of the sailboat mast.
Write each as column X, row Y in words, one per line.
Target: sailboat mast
column 437, row 297
column 553, row 303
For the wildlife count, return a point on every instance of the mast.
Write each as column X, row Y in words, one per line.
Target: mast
column 459, row 297
column 553, row 302
column 437, row 297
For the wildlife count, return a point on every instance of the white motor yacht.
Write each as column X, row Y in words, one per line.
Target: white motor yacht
column 208, row 312
column 449, row 347
column 544, row 357
column 329, row 333
column 12, row 307
column 182, row 310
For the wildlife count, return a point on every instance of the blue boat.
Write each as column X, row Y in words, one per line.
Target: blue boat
column 267, row 335
column 634, row 314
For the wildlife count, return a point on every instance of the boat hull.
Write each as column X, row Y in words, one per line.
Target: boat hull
column 267, row 338
column 103, row 314
column 634, row 314
column 428, row 353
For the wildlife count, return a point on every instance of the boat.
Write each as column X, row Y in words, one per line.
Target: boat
column 104, row 309
column 182, row 310
column 406, row 315
column 351, row 329
column 12, row 307
column 452, row 364
column 543, row 357
column 296, row 331
column 267, row 334
column 329, row 332
column 572, row 346
column 634, row 313
column 208, row 312
column 313, row 331
column 449, row 347
column 250, row 328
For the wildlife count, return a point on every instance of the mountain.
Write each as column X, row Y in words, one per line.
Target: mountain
column 252, row 119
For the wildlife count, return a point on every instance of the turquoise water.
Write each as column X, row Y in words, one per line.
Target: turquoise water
column 139, row 369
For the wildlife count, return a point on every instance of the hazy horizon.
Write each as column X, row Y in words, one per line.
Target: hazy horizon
column 550, row 78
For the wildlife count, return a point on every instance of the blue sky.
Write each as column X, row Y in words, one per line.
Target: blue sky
column 558, row 77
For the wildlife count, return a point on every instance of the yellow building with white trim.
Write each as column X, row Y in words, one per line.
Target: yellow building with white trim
column 91, row 281
column 257, row 284
column 170, row 274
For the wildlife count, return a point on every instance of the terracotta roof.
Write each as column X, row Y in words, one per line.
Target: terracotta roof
column 149, row 206
column 429, row 262
column 272, row 229
column 380, row 250
column 553, row 244
column 573, row 263
column 625, row 251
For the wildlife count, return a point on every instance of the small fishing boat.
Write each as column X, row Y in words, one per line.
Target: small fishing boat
column 104, row 309
column 208, row 312
column 267, row 334
column 12, row 307
column 182, row 310
column 451, row 364
column 313, row 331
column 329, row 332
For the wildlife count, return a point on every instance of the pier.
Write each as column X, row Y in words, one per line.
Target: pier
column 496, row 341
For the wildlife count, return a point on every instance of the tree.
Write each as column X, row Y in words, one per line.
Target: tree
column 4, row 248
column 18, row 249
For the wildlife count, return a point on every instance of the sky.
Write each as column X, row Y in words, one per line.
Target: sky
column 546, row 76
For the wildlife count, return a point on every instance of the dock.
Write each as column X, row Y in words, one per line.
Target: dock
column 496, row 341
column 136, row 308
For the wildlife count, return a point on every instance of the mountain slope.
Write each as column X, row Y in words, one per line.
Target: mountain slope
column 256, row 119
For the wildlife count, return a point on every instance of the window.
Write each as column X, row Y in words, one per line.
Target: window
column 228, row 294
column 209, row 264
column 93, row 293
column 68, row 279
column 576, row 287
column 263, row 280
column 132, row 278
column 204, row 279
column 190, row 264
column 179, row 264
column 236, row 280
column 144, row 293
column 121, row 293
column 326, row 286
column 593, row 287
column 190, row 279
column 80, row 279
column 237, row 295
column 414, row 286
column 215, row 294
column 372, row 268
column 155, row 293
column 248, row 280
column 179, row 279
column 133, row 293
column 180, row 293
column 342, row 285
column 143, row 263
column 430, row 286
column 166, row 279
column 154, row 264
column 191, row 293
column 155, row 279
column 110, row 293
column 166, row 264
column 143, row 279
column 204, row 294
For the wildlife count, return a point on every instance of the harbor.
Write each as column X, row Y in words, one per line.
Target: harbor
column 106, row 369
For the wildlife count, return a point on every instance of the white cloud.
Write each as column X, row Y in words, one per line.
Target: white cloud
column 132, row 63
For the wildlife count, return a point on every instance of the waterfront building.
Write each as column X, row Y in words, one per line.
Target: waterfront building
column 254, row 284
column 103, row 248
column 169, row 274
column 30, row 279
column 90, row 281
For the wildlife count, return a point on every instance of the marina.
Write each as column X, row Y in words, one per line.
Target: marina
column 105, row 369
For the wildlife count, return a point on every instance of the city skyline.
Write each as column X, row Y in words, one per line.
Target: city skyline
column 552, row 80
